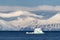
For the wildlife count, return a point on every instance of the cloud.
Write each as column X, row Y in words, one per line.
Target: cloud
column 13, row 8
column 47, row 8
column 39, row 7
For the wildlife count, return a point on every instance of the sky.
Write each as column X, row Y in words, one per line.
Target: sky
column 29, row 3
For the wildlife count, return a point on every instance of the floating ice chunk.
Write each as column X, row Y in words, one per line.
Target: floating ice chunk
column 36, row 31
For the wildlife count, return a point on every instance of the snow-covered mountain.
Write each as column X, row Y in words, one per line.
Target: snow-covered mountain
column 51, row 24
column 23, row 20
column 55, row 18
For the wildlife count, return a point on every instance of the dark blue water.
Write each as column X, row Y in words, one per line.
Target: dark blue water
column 49, row 35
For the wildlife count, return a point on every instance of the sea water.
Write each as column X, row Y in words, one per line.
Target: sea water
column 21, row 35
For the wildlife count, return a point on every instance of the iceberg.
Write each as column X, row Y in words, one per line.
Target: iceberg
column 36, row 31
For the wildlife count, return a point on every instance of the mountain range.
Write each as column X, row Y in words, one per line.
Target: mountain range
column 26, row 20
